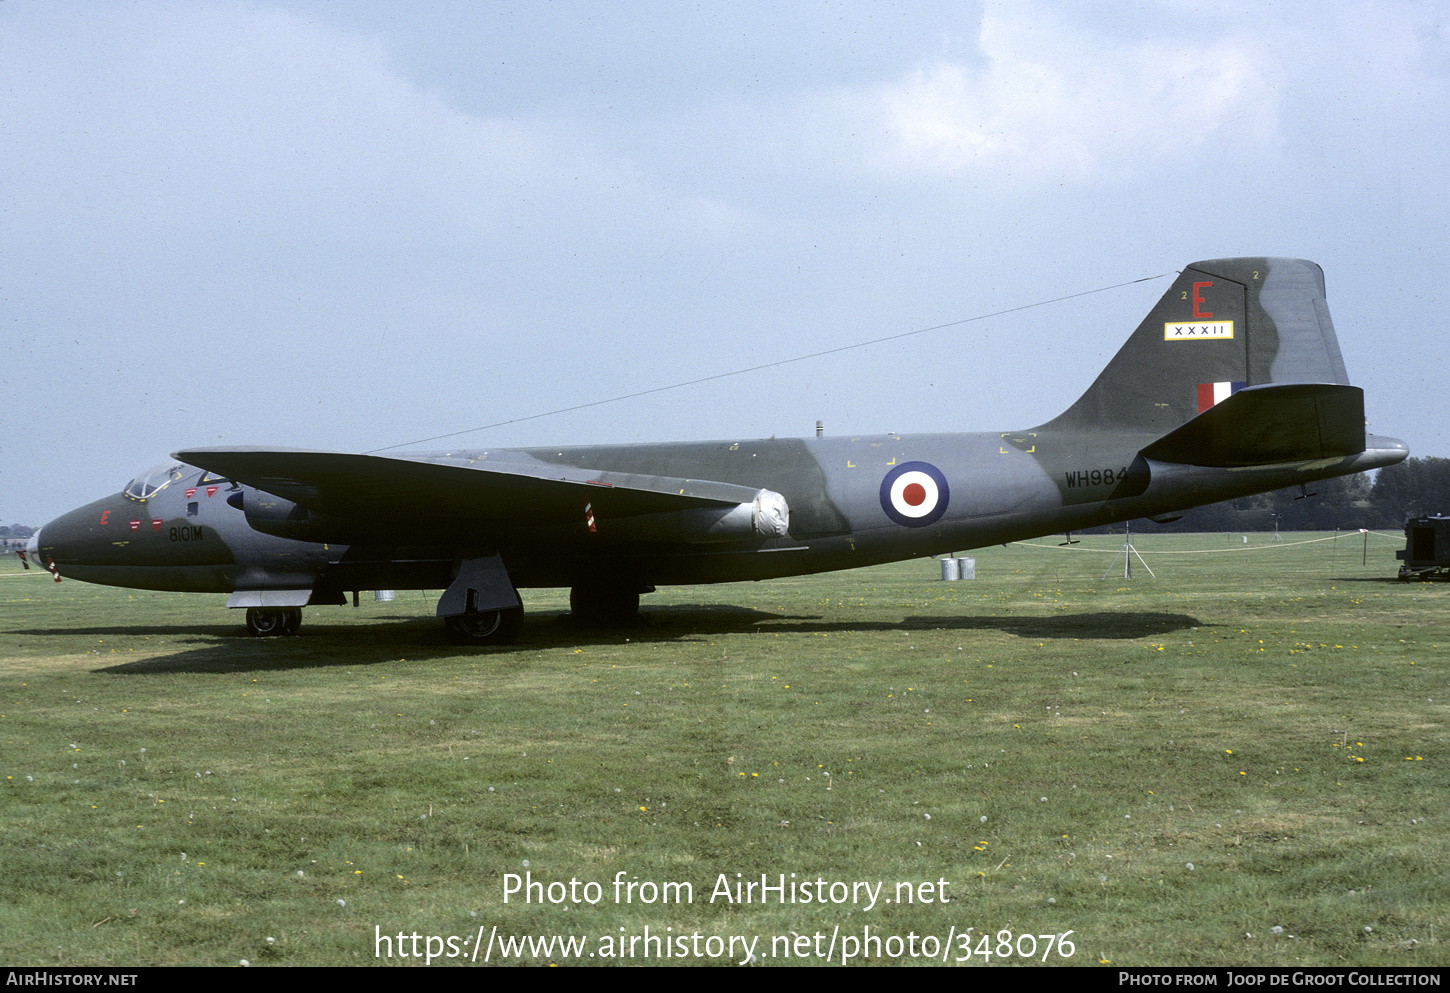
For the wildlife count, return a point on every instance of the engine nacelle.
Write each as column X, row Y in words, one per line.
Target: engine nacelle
column 270, row 514
column 767, row 516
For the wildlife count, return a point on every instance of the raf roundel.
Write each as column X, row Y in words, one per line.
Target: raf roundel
column 915, row 494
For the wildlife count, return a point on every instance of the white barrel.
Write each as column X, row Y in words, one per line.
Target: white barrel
column 967, row 568
column 383, row 596
column 951, row 570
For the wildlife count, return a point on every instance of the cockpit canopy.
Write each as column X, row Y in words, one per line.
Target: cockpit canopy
column 154, row 480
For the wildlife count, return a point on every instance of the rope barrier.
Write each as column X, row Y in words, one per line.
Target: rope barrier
column 1239, row 550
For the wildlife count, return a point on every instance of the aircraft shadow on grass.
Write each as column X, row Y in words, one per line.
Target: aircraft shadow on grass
column 390, row 639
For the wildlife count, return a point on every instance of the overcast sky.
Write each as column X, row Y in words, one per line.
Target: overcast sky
column 354, row 225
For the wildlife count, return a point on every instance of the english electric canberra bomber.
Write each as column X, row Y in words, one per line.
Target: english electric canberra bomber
column 1233, row 385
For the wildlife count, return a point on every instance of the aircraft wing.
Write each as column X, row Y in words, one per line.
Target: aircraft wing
column 507, row 491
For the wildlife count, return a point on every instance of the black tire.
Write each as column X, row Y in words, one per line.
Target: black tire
column 490, row 627
column 264, row 622
column 291, row 620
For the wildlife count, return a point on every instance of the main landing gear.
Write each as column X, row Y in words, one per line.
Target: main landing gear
column 266, row 622
column 480, row 606
column 602, row 605
column 488, row 627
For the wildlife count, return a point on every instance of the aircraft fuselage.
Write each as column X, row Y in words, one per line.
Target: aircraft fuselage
column 192, row 535
column 1232, row 385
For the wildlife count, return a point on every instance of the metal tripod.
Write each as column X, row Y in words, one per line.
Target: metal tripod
column 1127, row 554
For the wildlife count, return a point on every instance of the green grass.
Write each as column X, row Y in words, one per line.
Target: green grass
column 1055, row 746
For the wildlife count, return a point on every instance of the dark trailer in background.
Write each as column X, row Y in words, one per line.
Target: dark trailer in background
column 1427, row 549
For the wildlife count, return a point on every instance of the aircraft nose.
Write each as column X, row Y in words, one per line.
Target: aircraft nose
column 33, row 554
column 32, row 551
column 72, row 541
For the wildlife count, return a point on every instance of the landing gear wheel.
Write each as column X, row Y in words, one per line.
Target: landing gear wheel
column 489, row 627
column 291, row 620
column 263, row 623
column 604, row 606
column 267, row 622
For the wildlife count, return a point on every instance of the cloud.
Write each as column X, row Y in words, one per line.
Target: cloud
column 1052, row 102
column 193, row 118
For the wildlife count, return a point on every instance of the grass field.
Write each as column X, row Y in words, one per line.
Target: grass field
column 1242, row 761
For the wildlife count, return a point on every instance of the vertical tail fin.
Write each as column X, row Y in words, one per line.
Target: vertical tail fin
column 1224, row 325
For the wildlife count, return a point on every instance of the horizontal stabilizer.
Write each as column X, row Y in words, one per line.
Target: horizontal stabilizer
column 1266, row 425
column 472, row 495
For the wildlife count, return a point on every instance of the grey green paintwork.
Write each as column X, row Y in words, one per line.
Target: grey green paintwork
column 1134, row 445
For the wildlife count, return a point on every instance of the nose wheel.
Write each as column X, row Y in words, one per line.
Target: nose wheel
column 267, row 622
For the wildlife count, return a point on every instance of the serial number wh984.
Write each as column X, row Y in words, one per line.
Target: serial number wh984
column 1095, row 477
